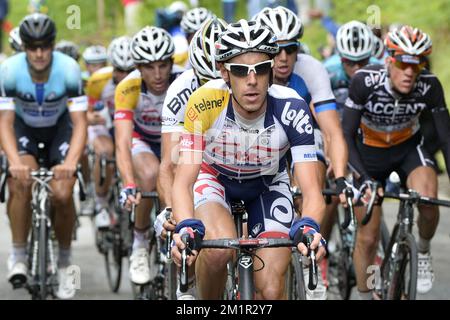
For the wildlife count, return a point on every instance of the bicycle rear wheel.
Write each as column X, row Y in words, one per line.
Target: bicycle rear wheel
column 400, row 269
column 295, row 283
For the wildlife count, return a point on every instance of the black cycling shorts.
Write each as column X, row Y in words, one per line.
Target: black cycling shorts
column 56, row 140
column 402, row 158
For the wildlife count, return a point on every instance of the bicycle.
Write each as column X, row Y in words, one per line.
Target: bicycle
column 342, row 273
column 240, row 280
column 42, row 278
column 162, row 284
column 399, row 267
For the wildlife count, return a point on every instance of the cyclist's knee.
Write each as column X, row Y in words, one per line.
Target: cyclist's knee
column 61, row 196
column 147, row 178
column 272, row 288
column 368, row 241
column 215, row 259
column 20, row 188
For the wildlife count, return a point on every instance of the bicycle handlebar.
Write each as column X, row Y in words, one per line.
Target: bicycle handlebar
column 373, row 196
column 240, row 243
column 414, row 196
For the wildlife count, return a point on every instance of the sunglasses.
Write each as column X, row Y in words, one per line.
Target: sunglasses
column 417, row 68
column 289, row 47
column 243, row 70
column 43, row 47
column 359, row 63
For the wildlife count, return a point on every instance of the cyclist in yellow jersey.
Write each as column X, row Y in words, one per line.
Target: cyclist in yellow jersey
column 138, row 103
column 100, row 90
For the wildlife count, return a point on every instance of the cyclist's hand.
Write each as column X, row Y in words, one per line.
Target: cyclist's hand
column 341, row 186
column 164, row 223
column 129, row 196
column 64, row 171
column 366, row 190
column 20, row 171
column 299, row 233
column 176, row 251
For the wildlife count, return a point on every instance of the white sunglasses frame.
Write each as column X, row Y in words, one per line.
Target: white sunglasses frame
column 251, row 67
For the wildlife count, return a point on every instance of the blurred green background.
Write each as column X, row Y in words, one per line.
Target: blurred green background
column 432, row 16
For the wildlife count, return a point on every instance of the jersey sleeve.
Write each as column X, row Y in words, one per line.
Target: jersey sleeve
column 297, row 122
column 95, row 85
column 317, row 81
column 7, row 87
column 126, row 98
column 357, row 92
column 77, row 101
column 435, row 95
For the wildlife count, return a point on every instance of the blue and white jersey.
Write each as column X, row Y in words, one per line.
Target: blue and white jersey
column 41, row 104
column 310, row 79
column 340, row 81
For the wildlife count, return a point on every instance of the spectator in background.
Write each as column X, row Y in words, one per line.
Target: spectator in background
column 229, row 10
column 37, row 6
column 3, row 14
column 131, row 16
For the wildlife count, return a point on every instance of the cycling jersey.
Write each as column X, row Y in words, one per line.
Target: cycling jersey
column 339, row 79
column 386, row 118
column 176, row 99
column 310, row 79
column 100, row 90
column 241, row 154
column 41, row 104
column 133, row 101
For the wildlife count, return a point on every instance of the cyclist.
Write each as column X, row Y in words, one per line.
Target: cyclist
column 94, row 57
column 100, row 91
column 201, row 57
column 192, row 21
column 14, row 40
column 308, row 77
column 42, row 101
column 138, row 103
column 69, row 48
column 354, row 46
column 384, row 105
column 260, row 122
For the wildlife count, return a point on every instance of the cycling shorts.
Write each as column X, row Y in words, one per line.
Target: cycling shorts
column 270, row 213
column 55, row 138
column 139, row 145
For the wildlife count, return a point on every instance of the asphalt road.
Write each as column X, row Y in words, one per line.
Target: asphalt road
column 93, row 278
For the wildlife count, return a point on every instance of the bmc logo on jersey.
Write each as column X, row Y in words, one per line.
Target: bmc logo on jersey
column 298, row 119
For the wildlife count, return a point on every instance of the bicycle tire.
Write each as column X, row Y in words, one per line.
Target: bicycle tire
column 401, row 254
column 43, row 255
column 295, row 279
column 230, row 291
column 113, row 259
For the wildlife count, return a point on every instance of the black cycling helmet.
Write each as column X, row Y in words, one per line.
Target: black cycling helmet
column 37, row 28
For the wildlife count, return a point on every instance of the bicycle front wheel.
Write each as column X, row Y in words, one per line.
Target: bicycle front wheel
column 43, row 255
column 113, row 258
column 400, row 270
column 295, row 283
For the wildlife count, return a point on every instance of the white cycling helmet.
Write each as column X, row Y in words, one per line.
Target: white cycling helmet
column 95, row 54
column 152, row 44
column 193, row 19
column 245, row 36
column 119, row 53
column 69, row 48
column 201, row 49
column 354, row 41
column 14, row 40
column 283, row 22
column 378, row 48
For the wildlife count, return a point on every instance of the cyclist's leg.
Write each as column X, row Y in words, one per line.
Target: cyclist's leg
column 145, row 165
column 18, row 205
column 212, row 209
column 367, row 239
column 421, row 176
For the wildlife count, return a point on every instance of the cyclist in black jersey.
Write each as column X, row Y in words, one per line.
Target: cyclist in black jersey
column 381, row 127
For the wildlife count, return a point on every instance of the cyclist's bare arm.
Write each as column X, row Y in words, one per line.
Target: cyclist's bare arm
column 169, row 154
column 123, row 134
column 307, row 176
column 78, row 139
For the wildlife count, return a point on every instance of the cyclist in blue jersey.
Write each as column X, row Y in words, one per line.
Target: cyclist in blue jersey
column 42, row 102
column 308, row 77
column 354, row 44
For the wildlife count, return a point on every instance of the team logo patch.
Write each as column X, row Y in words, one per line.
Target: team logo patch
column 192, row 115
